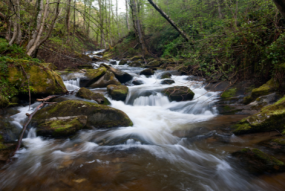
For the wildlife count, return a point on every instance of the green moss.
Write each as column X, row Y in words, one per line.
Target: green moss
column 270, row 160
column 270, row 118
column 88, row 94
column 42, row 80
column 118, row 92
column 95, row 73
column 4, row 102
column 280, row 141
column 99, row 116
column 229, row 93
column 265, row 89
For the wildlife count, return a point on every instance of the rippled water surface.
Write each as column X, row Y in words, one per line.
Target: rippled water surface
column 172, row 146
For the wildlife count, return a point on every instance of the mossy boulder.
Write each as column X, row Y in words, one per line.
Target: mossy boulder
column 94, row 74
column 147, row 72
column 178, row 93
column 136, row 64
column 270, row 118
column 74, row 113
column 165, row 75
column 61, row 126
column 137, row 82
column 265, row 89
column 228, row 94
column 43, row 81
column 258, row 162
column 120, row 75
column 88, row 94
column 123, row 62
column 135, row 58
column 168, row 82
column 4, row 102
column 118, row 92
column 107, row 79
column 154, row 64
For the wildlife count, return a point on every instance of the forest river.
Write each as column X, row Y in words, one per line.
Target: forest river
column 171, row 146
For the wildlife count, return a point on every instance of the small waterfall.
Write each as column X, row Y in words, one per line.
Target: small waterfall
column 72, row 85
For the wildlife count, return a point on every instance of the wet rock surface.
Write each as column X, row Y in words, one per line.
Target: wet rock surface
column 97, row 116
column 271, row 117
column 118, row 92
column 88, row 94
column 258, row 162
column 178, row 93
column 147, row 72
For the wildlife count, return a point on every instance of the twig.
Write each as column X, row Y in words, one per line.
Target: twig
column 29, row 120
column 28, row 86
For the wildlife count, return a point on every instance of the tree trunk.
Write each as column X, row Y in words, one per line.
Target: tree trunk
column 67, row 17
column 38, row 42
column 17, row 27
column 40, row 6
column 137, row 25
column 219, row 9
column 280, row 4
column 127, row 15
column 182, row 33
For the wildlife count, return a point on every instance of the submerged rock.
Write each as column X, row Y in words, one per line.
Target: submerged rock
column 258, row 162
column 67, row 117
column 178, row 93
column 137, row 82
column 167, row 82
column 120, row 75
column 118, row 92
column 113, row 62
column 265, row 89
column 147, row 72
column 270, row 118
column 107, row 79
column 88, row 94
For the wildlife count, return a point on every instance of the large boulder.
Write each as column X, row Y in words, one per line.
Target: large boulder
column 137, row 82
column 123, row 62
column 265, row 89
column 258, row 162
column 67, row 117
column 107, row 79
column 88, row 94
column 43, row 81
column 147, row 72
column 168, row 82
column 120, row 75
column 165, row 75
column 154, row 64
column 92, row 75
column 178, row 93
column 270, row 118
column 118, row 92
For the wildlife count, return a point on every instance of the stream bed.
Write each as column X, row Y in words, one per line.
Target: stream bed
column 171, row 146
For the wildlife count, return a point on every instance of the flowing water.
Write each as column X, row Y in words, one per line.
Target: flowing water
column 169, row 147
